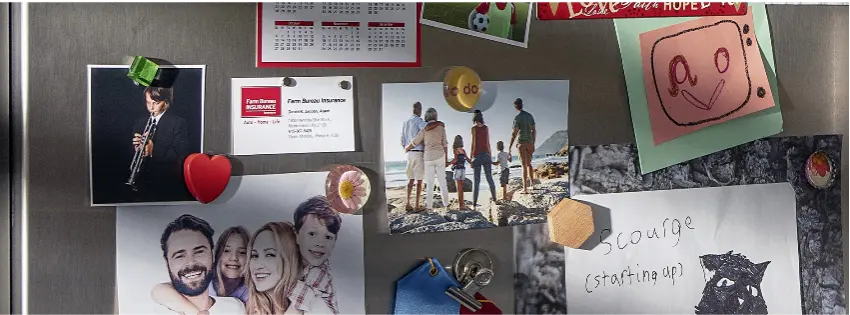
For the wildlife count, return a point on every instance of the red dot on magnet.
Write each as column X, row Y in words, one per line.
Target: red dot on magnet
column 820, row 171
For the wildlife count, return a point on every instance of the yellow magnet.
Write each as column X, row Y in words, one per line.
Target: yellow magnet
column 462, row 88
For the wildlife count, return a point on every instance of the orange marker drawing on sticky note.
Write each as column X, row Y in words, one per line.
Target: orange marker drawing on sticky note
column 702, row 72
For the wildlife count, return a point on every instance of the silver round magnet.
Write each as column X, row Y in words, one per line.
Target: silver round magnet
column 469, row 261
column 288, row 82
column 820, row 171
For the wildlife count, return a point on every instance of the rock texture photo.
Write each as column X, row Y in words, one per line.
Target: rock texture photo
column 614, row 169
column 539, row 278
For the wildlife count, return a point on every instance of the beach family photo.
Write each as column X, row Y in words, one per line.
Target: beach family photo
column 274, row 246
column 445, row 170
column 504, row 22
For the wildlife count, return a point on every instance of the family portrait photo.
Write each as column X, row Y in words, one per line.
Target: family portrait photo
column 504, row 164
column 140, row 135
column 504, row 22
column 272, row 244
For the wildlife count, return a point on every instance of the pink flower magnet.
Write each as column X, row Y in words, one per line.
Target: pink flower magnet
column 347, row 188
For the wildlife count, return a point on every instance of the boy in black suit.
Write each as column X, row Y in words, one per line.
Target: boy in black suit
column 162, row 171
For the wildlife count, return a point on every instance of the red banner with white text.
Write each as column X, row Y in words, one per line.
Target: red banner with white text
column 609, row 10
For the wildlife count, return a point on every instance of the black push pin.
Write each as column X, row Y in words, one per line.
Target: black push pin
column 345, row 85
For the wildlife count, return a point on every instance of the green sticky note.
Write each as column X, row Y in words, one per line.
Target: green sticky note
column 143, row 71
column 707, row 140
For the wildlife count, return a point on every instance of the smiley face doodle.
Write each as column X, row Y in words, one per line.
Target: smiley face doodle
column 702, row 74
column 675, row 81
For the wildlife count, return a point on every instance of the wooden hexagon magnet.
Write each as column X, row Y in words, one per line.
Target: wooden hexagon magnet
column 570, row 223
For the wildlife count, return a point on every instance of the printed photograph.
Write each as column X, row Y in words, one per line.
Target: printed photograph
column 612, row 168
column 718, row 250
column 447, row 170
column 273, row 244
column 504, row 22
column 539, row 272
column 540, row 276
column 139, row 136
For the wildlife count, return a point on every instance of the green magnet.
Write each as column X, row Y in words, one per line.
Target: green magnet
column 143, row 71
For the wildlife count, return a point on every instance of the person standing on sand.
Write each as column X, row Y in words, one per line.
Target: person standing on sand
column 415, row 157
column 482, row 156
column 436, row 156
column 459, row 169
column 525, row 129
column 503, row 160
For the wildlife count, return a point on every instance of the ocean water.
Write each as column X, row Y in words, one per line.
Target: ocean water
column 396, row 177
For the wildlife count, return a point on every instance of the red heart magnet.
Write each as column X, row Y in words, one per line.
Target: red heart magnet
column 206, row 177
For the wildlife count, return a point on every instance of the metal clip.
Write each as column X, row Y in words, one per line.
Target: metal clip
column 478, row 281
column 473, row 269
column 464, row 299
column 468, row 262
column 468, row 271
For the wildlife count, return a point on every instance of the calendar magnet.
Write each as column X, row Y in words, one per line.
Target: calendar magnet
column 143, row 71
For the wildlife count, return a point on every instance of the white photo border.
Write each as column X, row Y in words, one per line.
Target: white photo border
column 523, row 44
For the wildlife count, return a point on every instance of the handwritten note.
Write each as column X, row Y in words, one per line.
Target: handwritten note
column 670, row 232
column 723, row 250
column 701, row 73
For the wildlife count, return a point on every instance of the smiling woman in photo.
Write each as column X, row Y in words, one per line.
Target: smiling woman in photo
column 273, row 268
column 251, row 248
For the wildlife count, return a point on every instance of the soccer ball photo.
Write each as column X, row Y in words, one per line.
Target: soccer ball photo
column 478, row 22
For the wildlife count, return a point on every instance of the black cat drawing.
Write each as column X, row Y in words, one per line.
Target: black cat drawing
column 733, row 285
